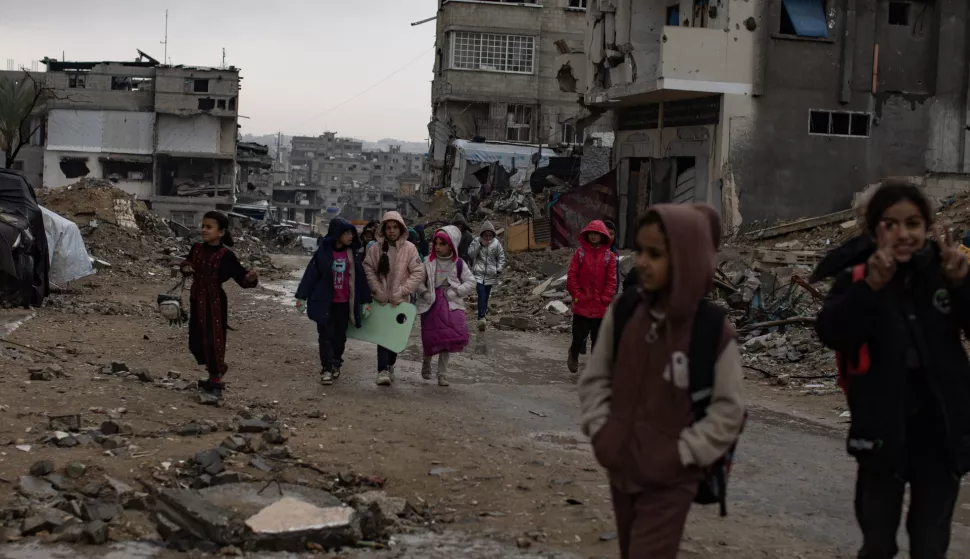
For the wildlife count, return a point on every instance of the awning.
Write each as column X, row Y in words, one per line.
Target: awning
column 807, row 17
column 126, row 158
column 508, row 155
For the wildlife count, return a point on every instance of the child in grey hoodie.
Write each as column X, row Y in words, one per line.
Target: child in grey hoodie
column 487, row 258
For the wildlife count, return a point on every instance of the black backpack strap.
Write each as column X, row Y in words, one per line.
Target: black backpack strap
column 704, row 343
column 623, row 310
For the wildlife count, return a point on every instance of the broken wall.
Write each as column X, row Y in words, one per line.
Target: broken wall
column 914, row 126
column 202, row 134
column 92, row 88
column 190, row 91
column 63, row 168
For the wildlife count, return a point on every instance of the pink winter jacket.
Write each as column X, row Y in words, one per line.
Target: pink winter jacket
column 406, row 273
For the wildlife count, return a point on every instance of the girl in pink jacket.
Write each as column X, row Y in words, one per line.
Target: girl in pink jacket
column 394, row 271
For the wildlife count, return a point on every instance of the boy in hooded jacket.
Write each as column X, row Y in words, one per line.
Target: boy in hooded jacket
column 897, row 314
column 487, row 258
column 635, row 395
column 591, row 283
column 333, row 292
column 444, row 328
column 394, row 271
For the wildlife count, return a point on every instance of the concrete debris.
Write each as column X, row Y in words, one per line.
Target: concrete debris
column 289, row 524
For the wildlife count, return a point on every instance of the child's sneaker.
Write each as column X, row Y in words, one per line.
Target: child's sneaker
column 390, row 372
column 383, row 378
column 336, row 373
column 573, row 362
column 426, row 369
column 482, row 324
column 326, row 378
column 442, row 381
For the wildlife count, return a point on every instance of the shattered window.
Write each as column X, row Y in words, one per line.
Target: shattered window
column 577, row 4
column 839, row 123
column 493, row 53
column 201, row 86
column 519, row 124
column 77, row 80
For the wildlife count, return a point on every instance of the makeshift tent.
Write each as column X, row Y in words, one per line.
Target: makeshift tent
column 478, row 154
column 67, row 255
column 17, row 198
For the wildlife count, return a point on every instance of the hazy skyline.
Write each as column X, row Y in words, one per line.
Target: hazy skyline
column 299, row 60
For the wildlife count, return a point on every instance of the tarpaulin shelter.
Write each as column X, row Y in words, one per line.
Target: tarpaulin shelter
column 571, row 211
column 472, row 156
column 68, row 257
column 24, row 264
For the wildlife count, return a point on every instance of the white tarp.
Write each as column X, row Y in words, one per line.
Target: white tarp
column 101, row 131
column 198, row 134
column 508, row 156
column 69, row 260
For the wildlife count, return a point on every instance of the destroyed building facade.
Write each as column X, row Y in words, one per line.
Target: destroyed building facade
column 165, row 134
column 780, row 108
column 506, row 71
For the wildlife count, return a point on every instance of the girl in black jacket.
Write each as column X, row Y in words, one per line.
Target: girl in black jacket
column 896, row 318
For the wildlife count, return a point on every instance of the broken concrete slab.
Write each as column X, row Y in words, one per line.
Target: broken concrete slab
column 249, row 498
column 234, row 443
column 42, row 468
column 289, row 524
column 44, row 520
column 253, row 426
column 99, row 510
column 188, row 512
column 210, row 461
column 36, row 488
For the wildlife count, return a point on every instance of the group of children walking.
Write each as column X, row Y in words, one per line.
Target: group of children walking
column 347, row 273
column 662, row 393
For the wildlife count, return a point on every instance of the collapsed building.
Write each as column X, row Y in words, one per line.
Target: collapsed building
column 778, row 109
column 165, row 134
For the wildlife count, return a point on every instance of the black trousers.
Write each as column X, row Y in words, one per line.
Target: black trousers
column 583, row 328
column 879, row 504
column 332, row 336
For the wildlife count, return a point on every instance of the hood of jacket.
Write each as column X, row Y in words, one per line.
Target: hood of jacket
column 693, row 234
column 338, row 226
column 596, row 226
column 451, row 234
column 487, row 226
column 393, row 216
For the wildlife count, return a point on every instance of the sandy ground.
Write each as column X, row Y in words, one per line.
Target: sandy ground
column 507, row 427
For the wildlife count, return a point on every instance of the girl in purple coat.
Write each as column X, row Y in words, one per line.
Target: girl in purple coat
column 440, row 302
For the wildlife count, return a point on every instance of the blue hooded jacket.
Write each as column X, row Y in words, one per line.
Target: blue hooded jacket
column 316, row 287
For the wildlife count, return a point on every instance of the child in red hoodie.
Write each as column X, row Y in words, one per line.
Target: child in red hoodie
column 591, row 284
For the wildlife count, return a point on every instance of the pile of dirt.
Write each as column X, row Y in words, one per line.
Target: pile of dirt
column 126, row 237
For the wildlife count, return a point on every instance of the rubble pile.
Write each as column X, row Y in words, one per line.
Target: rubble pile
column 532, row 294
column 124, row 236
column 228, row 498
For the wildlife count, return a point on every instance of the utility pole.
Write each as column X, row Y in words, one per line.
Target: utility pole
column 223, row 57
column 165, row 42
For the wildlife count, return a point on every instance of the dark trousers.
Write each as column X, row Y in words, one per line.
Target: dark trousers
column 584, row 327
column 332, row 336
column 650, row 524
column 484, row 292
column 879, row 506
column 385, row 358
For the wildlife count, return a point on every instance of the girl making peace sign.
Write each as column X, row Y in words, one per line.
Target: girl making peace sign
column 897, row 319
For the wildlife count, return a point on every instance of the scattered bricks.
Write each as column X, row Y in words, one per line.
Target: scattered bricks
column 99, row 510
column 119, row 367
column 36, row 488
column 234, row 443
column 191, row 429
column 144, row 375
column 260, row 464
column 276, row 436
column 253, row 426
column 174, row 375
column 96, row 533
column 65, row 423
column 42, row 468
column 110, row 427
column 278, row 453
column 210, row 461
column 45, row 520
column 225, row 478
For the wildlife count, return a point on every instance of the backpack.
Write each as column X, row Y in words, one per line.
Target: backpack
column 860, row 365
column 705, row 338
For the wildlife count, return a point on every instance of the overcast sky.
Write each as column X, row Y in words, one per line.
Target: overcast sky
column 299, row 58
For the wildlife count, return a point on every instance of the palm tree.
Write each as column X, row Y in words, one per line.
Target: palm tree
column 19, row 101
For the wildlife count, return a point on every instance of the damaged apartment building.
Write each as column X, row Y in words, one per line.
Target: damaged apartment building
column 328, row 172
column 165, row 134
column 773, row 109
column 506, row 71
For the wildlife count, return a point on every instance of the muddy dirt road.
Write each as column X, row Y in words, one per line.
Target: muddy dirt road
column 502, row 441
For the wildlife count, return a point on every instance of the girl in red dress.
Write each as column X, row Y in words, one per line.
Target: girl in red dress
column 211, row 264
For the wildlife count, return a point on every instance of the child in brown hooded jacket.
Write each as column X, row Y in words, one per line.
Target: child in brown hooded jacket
column 636, row 400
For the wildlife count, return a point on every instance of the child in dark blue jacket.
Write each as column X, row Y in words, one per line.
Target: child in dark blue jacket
column 333, row 292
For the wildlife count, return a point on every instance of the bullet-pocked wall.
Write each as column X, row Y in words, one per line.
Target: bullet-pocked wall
column 882, row 93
